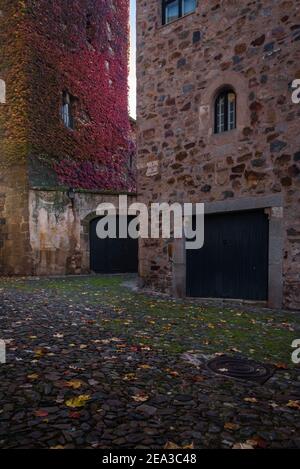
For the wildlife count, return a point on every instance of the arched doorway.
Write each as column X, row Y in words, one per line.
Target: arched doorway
column 112, row 256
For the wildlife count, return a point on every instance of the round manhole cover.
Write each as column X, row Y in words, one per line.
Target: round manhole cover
column 241, row 368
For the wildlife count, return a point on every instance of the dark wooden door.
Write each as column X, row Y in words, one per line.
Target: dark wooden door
column 234, row 260
column 112, row 256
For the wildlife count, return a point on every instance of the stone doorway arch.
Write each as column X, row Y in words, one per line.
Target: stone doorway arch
column 85, row 240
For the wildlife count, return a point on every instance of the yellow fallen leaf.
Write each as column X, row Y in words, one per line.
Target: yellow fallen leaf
column 294, row 405
column 129, row 377
column 250, row 399
column 79, row 401
column 33, row 376
column 74, row 384
column 145, row 367
column 40, row 352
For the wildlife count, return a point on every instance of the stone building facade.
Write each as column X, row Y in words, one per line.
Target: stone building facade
column 253, row 50
column 65, row 137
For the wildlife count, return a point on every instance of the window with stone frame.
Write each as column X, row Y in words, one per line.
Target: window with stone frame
column 225, row 111
column 67, row 110
column 174, row 9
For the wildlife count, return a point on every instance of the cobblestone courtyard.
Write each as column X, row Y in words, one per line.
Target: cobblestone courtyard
column 93, row 364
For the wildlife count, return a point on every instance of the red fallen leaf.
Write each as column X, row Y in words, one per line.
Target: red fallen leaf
column 281, row 366
column 74, row 415
column 134, row 349
column 41, row 413
column 258, row 442
column 198, row 379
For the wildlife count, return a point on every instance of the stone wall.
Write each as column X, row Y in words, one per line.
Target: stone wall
column 254, row 48
column 15, row 252
column 14, row 234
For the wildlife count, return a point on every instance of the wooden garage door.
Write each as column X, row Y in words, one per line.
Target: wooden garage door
column 234, row 260
column 112, row 255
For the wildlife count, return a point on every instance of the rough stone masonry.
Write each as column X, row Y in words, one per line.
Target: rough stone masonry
column 253, row 47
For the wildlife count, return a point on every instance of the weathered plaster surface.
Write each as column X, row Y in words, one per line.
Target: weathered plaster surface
column 59, row 230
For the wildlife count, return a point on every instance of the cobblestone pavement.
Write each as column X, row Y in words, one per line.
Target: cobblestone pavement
column 91, row 364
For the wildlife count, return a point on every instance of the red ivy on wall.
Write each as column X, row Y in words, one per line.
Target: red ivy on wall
column 80, row 46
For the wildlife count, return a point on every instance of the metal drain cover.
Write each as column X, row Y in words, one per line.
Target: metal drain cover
column 241, row 368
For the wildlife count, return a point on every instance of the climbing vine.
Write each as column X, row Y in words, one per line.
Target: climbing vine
column 79, row 46
column 14, row 54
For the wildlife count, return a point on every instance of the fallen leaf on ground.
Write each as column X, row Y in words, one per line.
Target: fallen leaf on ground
column 258, row 442
column 79, row 401
column 40, row 352
column 242, row 446
column 74, row 384
column 294, row 405
column 145, row 367
column 198, row 379
column 41, row 413
column 281, row 366
column 253, row 400
column 33, row 376
column 172, row 372
column 145, row 348
column 129, row 377
column 171, row 445
column 141, row 397
column 231, row 426
column 74, row 415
